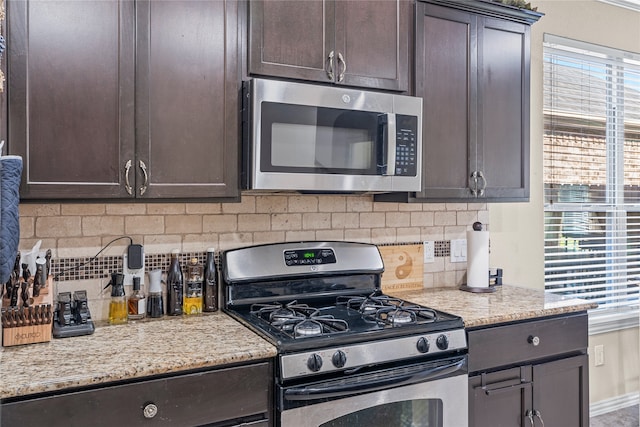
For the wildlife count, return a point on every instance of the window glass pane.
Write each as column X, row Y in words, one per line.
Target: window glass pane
column 592, row 172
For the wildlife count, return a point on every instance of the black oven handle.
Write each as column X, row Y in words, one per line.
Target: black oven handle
column 373, row 382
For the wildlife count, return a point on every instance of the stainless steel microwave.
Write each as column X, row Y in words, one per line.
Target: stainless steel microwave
column 314, row 138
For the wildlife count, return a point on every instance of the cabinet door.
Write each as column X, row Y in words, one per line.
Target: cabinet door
column 372, row 41
column 445, row 79
column 291, row 38
column 71, row 96
column 187, row 92
column 500, row 399
column 503, row 113
column 561, row 392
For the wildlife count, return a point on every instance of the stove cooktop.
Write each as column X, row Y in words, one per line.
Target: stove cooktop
column 343, row 320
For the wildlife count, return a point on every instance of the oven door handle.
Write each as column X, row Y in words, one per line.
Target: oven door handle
column 363, row 385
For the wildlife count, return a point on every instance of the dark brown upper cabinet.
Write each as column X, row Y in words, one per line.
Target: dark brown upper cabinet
column 355, row 43
column 472, row 71
column 124, row 99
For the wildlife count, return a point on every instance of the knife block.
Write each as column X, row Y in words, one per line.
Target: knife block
column 33, row 333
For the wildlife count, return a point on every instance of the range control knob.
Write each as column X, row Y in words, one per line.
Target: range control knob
column 423, row 345
column 314, row 363
column 442, row 342
column 339, row 359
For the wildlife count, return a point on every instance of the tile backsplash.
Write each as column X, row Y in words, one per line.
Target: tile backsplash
column 76, row 232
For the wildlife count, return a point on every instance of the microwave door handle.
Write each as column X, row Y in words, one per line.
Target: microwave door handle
column 346, row 387
column 390, row 145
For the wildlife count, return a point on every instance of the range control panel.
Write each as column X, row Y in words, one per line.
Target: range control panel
column 309, row 256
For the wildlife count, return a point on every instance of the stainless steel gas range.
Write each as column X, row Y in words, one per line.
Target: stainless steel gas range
column 348, row 355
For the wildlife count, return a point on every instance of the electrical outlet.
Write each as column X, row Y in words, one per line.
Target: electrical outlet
column 129, row 273
column 429, row 251
column 599, row 355
column 459, row 250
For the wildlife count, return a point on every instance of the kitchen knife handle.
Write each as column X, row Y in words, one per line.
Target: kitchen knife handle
column 143, row 167
column 330, row 69
column 127, row 186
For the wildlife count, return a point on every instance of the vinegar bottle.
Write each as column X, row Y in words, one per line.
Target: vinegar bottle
column 174, row 286
column 210, row 291
column 137, row 303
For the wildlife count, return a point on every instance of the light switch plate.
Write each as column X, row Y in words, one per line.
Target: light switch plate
column 429, row 251
column 459, row 250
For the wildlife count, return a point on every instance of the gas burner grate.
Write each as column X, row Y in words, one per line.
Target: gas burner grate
column 298, row 320
column 387, row 310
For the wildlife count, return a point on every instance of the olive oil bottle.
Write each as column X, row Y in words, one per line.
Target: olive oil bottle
column 193, row 288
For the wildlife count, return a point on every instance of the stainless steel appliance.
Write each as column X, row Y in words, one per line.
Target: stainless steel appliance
column 348, row 355
column 329, row 139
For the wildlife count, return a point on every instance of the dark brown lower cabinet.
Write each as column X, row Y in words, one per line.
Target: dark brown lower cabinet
column 530, row 374
column 236, row 396
column 551, row 393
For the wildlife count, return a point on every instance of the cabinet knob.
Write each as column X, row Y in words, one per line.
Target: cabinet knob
column 150, row 410
column 533, row 340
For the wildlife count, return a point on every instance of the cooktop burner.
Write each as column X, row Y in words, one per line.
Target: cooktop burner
column 298, row 320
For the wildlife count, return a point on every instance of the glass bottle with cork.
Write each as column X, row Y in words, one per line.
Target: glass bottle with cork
column 210, row 290
column 136, row 303
column 193, row 288
column 174, row 286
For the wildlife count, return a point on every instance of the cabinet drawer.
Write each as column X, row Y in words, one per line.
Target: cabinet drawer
column 511, row 344
column 185, row 400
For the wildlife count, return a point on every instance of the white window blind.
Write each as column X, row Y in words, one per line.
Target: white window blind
column 592, row 172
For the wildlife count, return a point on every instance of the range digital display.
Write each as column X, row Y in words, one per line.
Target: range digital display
column 309, row 257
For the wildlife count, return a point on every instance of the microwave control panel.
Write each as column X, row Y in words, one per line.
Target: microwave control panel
column 406, row 145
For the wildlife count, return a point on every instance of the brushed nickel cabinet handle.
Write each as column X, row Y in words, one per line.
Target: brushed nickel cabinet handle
column 330, row 70
column 484, row 183
column 143, row 188
column 473, row 183
column 344, row 67
column 127, row 186
column 539, row 416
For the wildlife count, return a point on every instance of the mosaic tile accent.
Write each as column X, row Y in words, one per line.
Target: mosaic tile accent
column 67, row 269
column 90, row 268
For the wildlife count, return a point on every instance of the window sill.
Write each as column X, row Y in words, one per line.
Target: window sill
column 601, row 322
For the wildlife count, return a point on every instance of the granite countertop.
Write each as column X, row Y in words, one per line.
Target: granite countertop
column 151, row 347
column 506, row 304
column 137, row 349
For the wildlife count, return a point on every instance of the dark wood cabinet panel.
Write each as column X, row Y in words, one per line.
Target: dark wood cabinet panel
column 500, row 398
column 124, row 99
column 503, row 115
column 71, row 96
column 289, row 38
column 444, row 64
column 187, row 95
column 530, row 373
column 242, row 393
column 472, row 71
column 561, row 391
column 355, row 43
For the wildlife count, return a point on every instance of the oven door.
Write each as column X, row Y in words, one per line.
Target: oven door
column 432, row 394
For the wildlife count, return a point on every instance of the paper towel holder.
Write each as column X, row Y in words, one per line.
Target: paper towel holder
column 495, row 281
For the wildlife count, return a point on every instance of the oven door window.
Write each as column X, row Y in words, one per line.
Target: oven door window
column 420, row 412
column 305, row 139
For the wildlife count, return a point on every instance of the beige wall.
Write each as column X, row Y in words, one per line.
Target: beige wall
column 517, row 229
